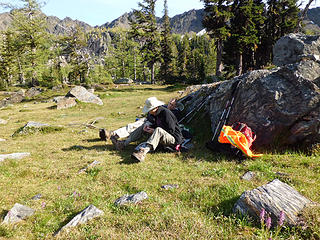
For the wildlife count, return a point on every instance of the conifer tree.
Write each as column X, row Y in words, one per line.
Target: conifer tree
column 245, row 23
column 281, row 19
column 218, row 14
column 166, row 69
column 144, row 29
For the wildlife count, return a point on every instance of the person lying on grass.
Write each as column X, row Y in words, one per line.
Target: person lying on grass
column 124, row 132
column 164, row 129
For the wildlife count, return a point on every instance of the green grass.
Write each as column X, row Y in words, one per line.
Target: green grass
column 201, row 208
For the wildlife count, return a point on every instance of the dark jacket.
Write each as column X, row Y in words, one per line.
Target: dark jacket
column 165, row 119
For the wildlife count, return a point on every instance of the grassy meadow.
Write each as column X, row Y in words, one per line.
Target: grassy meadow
column 201, row 208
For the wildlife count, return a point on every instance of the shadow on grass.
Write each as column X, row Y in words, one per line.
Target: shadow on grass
column 62, row 224
column 3, row 214
column 223, row 208
column 125, row 155
column 171, row 88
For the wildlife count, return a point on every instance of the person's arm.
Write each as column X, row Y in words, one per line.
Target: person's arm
column 171, row 121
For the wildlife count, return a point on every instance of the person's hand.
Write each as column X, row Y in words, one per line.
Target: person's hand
column 148, row 129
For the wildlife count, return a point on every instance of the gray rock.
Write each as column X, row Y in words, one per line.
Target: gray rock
column 94, row 163
column 15, row 97
column 37, row 197
column 58, row 98
column 30, row 127
column 123, row 81
column 57, row 88
column 133, row 198
column 85, row 215
column 2, row 121
column 66, row 102
column 17, row 214
column 248, row 176
column 170, row 186
column 32, row 92
column 14, row 156
column 274, row 197
column 296, row 47
column 84, row 96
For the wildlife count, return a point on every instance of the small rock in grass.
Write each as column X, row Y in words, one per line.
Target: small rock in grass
column 248, row 176
column 133, row 198
column 2, row 121
column 14, row 156
column 170, row 186
column 85, row 215
column 36, row 197
column 17, row 214
column 2, row 140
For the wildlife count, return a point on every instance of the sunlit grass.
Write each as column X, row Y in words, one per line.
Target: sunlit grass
column 201, row 208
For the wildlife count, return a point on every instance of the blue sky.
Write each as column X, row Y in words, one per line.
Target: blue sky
column 98, row 12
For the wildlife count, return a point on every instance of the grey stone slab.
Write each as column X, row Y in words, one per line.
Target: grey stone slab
column 85, row 215
column 18, row 213
column 14, row 156
column 133, row 198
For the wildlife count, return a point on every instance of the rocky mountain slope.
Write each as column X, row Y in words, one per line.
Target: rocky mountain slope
column 190, row 21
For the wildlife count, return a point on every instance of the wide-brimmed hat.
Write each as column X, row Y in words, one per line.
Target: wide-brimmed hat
column 151, row 103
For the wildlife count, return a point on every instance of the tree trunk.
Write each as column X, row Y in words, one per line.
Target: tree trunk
column 239, row 65
column 152, row 74
column 219, row 58
column 135, row 67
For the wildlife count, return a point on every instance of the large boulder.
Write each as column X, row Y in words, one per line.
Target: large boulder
column 83, row 95
column 296, row 47
column 281, row 105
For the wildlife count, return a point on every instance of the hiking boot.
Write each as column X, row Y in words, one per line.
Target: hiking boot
column 141, row 154
column 119, row 145
column 104, row 135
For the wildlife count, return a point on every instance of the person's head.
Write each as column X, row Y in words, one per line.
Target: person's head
column 172, row 104
column 151, row 105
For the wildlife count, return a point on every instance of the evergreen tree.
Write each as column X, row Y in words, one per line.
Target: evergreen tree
column 281, row 19
column 144, row 29
column 167, row 65
column 218, row 14
column 245, row 23
column 183, row 53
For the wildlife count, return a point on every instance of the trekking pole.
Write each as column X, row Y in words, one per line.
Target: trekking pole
column 223, row 119
column 198, row 109
column 190, row 112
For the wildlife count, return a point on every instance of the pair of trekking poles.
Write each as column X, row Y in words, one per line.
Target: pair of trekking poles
column 226, row 111
column 195, row 110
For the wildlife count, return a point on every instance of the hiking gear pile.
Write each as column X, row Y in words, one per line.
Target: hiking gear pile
column 238, row 139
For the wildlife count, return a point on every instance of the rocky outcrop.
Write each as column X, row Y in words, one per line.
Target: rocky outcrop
column 281, row 105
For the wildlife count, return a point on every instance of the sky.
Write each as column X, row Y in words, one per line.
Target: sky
column 98, row 12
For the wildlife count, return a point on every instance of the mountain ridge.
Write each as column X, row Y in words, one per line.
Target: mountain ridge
column 189, row 21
